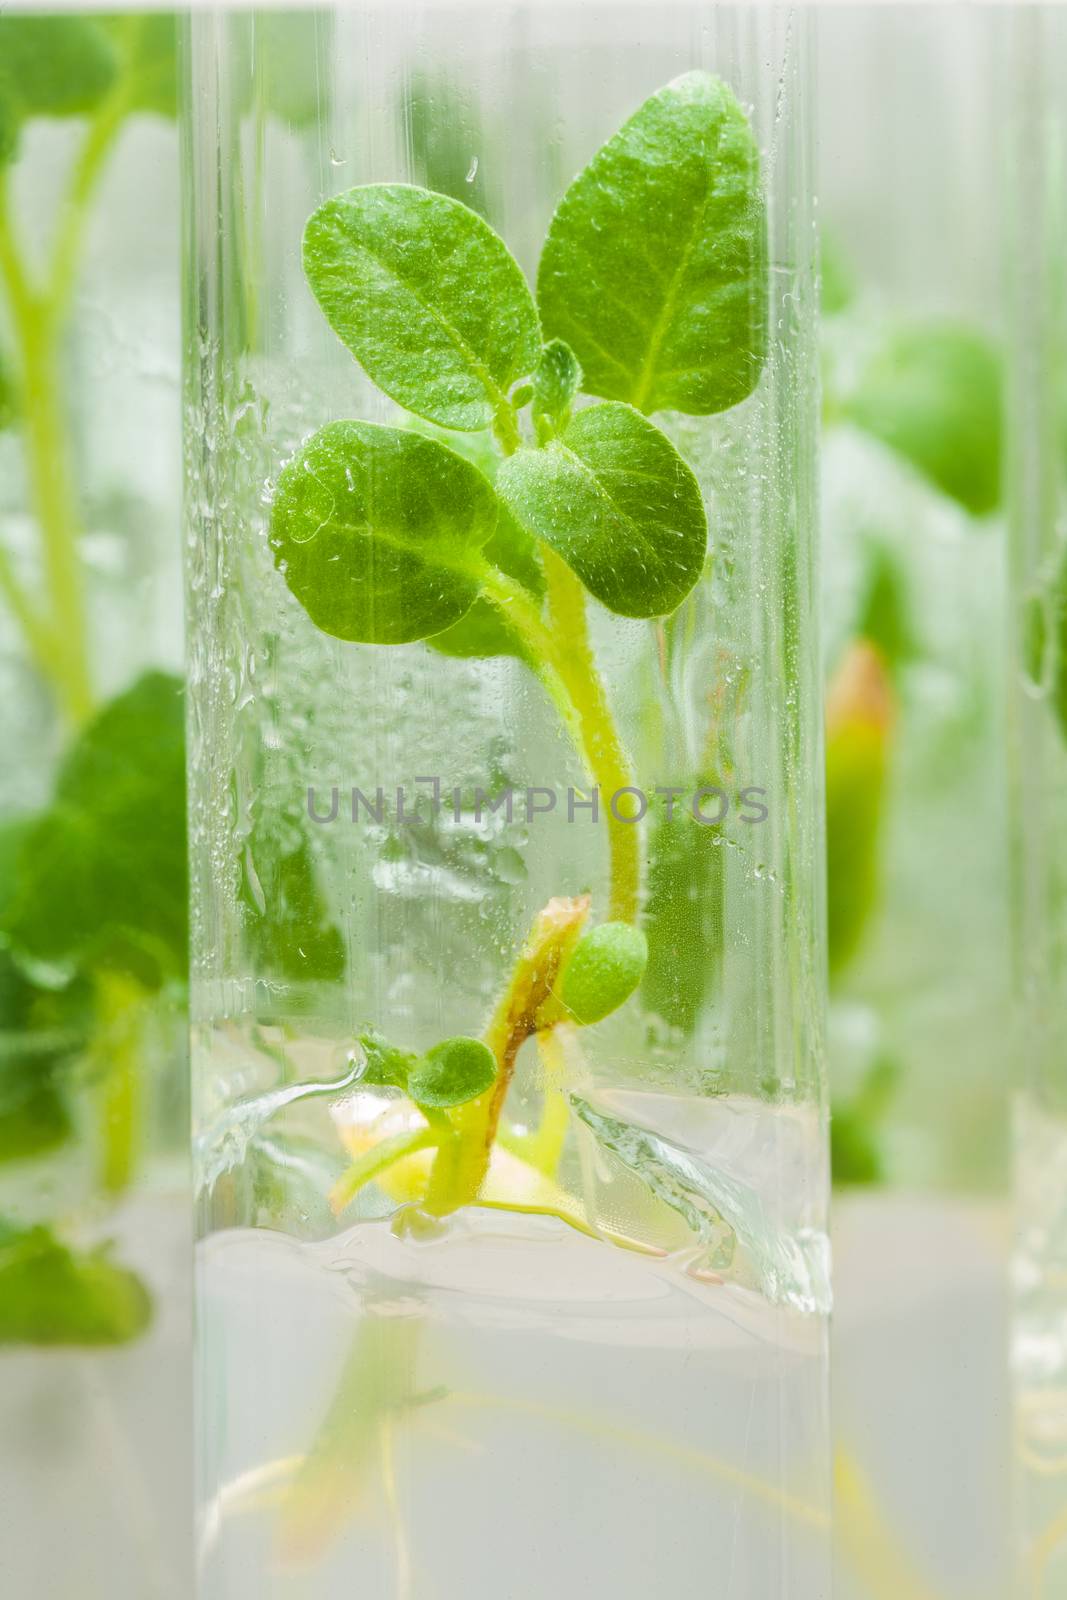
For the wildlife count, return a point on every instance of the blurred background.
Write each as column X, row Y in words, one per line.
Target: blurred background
column 94, row 1208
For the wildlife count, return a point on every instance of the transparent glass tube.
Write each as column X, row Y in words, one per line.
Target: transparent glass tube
column 1038, row 769
column 569, row 1335
column 915, row 601
column 94, row 1211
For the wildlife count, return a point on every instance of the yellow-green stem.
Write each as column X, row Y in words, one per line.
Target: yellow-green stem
column 56, row 508
column 576, row 665
column 562, row 655
column 120, row 1010
column 57, row 639
column 462, row 1161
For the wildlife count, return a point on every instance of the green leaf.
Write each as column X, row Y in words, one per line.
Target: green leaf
column 683, row 916
column 56, row 66
column 385, row 1064
column 604, row 970
column 855, row 1144
column 453, row 1072
column 613, row 497
column 855, row 1158
column 557, row 379
column 884, row 617
column 655, row 266
column 50, row 1294
column 934, row 394
column 378, row 531
column 101, row 875
column 426, row 297
column 291, row 934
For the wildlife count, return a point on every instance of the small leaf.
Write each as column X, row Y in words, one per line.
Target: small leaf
column 50, row 1294
column 426, row 297
column 557, row 379
column 385, row 1065
column 605, row 968
column 934, row 394
column 55, row 66
column 453, row 1072
column 376, row 531
column 654, row 270
column 613, row 497
column 102, row 873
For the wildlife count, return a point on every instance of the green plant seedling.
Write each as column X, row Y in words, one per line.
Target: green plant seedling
column 651, row 296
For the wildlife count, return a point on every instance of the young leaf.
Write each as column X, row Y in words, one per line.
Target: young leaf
column 453, row 1072
column 426, row 297
column 605, row 968
column 102, row 873
column 55, row 66
column 934, row 394
column 655, row 266
column 385, row 1065
column 374, row 530
column 557, row 379
column 613, row 497
column 50, row 1294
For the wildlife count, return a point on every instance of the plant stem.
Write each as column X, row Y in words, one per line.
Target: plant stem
column 55, row 505
column 58, row 643
column 463, row 1161
column 562, row 655
column 119, row 1008
column 576, row 664
column 377, row 1160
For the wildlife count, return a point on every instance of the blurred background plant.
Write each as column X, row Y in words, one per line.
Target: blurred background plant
column 915, row 616
column 93, row 882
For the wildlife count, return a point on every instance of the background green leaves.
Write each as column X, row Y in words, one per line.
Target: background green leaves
column 426, row 297
column 934, row 394
column 654, row 269
column 101, row 875
column 375, row 529
column 613, row 497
